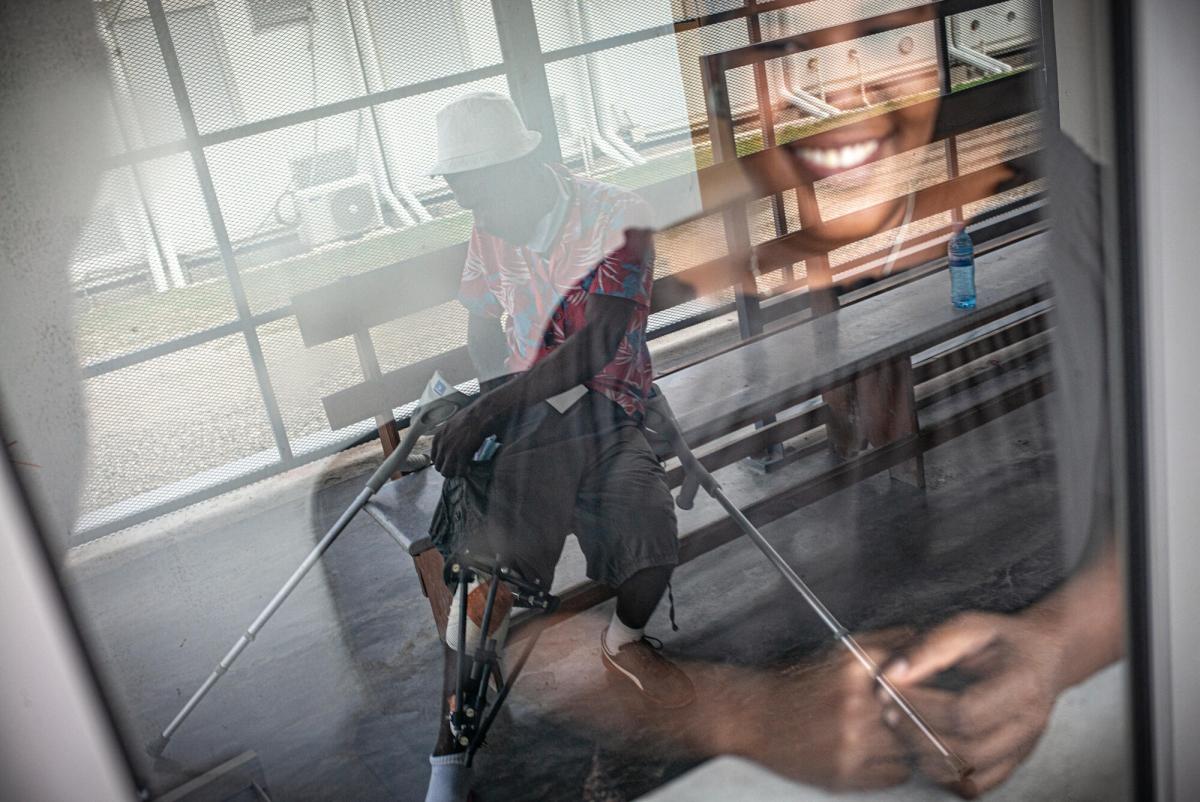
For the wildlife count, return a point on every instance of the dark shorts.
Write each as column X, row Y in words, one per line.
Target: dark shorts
column 589, row 471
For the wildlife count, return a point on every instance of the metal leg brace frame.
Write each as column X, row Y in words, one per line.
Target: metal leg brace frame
column 470, row 716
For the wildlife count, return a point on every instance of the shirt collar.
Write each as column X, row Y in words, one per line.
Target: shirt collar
column 545, row 234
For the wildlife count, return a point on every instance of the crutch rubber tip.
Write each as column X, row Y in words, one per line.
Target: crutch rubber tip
column 686, row 498
column 156, row 747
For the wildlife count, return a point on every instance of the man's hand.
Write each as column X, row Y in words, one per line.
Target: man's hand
column 1015, row 663
column 459, row 439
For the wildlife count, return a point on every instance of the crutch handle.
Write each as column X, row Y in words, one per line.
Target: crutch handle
column 661, row 419
column 428, row 417
column 687, row 491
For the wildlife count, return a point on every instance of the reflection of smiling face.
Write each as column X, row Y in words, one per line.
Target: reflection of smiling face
column 856, row 152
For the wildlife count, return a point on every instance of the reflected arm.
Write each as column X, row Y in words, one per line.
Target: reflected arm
column 488, row 348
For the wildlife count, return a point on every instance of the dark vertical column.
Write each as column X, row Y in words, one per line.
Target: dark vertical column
column 766, row 118
column 516, row 28
column 737, row 231
column 1149, row 658
column 209, row 192
column 950, row 144
column 1049, row 66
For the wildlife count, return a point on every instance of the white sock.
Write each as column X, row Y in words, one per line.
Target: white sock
column 449, row 778
column 617, row 634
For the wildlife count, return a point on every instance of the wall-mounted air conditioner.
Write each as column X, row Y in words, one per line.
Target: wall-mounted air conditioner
column 337, row 210
column 996, row 28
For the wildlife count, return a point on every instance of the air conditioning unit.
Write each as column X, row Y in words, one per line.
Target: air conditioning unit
column 338, row 210
column 996, row 28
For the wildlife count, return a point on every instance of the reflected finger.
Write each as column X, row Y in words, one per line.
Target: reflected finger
column 939, row 709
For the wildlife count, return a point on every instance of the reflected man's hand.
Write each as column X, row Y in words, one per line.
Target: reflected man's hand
column 1015, row 666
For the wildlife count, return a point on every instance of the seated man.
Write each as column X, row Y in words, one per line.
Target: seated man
column 567, row 264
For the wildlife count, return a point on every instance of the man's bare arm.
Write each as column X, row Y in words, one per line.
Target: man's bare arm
column 488, row 349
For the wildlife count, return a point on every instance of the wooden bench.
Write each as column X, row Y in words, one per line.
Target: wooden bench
column 767, row 373
column 772, row 373
column 351, row 307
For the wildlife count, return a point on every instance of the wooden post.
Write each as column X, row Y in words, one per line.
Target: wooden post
column 430, row 571
column 888, row 412
column 389, row 435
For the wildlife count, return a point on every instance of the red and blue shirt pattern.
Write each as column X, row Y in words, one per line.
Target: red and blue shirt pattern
column 542, row 297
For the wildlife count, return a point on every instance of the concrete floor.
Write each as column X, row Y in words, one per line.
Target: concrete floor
column 339, row 694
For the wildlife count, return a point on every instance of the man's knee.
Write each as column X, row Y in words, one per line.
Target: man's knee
column 654, row 505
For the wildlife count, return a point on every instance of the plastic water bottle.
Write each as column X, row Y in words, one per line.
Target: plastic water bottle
column 962, row 268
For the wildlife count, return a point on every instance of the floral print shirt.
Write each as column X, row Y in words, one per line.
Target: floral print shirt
column 542, row 295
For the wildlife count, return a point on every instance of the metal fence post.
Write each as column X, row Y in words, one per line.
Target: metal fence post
column 516, row 28
column 766, row 118
column 192, row 135
column 1049, row 63
column 941, row 20
column 737, row 231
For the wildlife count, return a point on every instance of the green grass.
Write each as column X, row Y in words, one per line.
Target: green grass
column 987, row 79
column 106, row 328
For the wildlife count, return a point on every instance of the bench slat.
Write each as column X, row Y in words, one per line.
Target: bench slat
column 784, row 368
column 359, row 302
column 584, row 595
column 717, row 274
column 349, row 406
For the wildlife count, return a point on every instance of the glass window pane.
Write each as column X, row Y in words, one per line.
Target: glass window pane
column 460, row 253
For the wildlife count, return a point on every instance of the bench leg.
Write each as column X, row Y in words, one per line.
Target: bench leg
column 429, row 565
column 842, row 425
column 887, row 405
column 841, row 420
column 389, row 438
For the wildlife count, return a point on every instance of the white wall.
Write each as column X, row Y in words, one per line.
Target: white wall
column 1168, row 116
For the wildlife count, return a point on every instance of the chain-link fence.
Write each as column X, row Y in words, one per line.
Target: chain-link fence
column 262, row 148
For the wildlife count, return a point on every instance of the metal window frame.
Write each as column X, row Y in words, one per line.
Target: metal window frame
column 523, row 64
column 220, row 232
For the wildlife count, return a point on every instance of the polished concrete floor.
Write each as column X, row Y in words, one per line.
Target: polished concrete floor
column 338, row 695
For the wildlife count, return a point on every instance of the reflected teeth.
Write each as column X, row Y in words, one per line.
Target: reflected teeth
column 842, row 158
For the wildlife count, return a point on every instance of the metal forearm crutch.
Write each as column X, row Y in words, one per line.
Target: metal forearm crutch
column 429, row 416
column 661, row 420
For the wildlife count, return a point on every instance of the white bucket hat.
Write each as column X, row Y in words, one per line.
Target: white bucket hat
column 480, row 130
